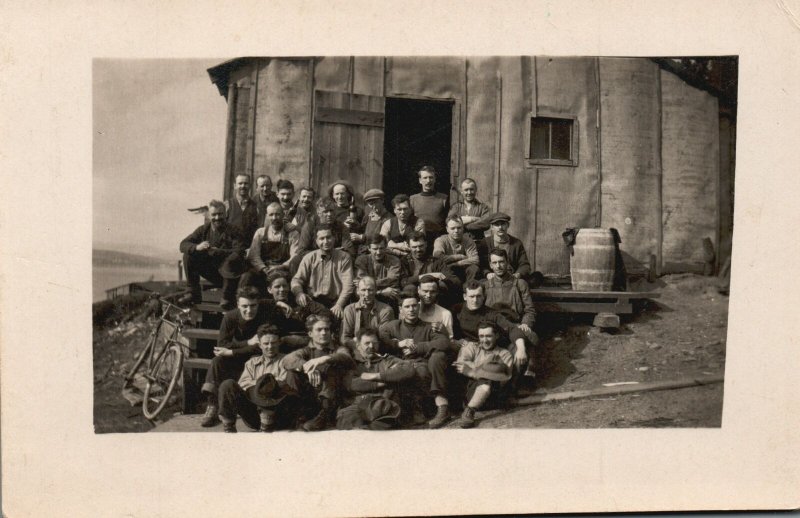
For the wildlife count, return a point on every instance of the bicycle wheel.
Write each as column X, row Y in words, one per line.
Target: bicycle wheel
column 140, row 360
column 161, row 380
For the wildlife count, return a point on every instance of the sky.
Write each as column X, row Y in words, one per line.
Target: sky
column 158, row 149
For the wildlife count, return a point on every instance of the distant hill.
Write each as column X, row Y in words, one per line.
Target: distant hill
column 115, row 258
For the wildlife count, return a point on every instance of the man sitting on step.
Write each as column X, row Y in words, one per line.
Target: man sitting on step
column 365, row 312
column 272, row 248
column 238, row 341
column 215, row 252
column 284, row 311
column 499, row 237
column 261, row 395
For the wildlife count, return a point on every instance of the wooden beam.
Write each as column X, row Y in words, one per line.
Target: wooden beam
column 230, row 140
column 621, row 389
column 561, row 306
column 344, row 116
column 570, row 294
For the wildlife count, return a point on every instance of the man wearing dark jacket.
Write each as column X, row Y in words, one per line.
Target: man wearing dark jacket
column 419, row 262
column 242, row 209
column 430, row 350
column 499, row 237
column 214, row 251
column 238, row 341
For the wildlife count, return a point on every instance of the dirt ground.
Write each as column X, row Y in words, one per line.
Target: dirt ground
column 679, row 335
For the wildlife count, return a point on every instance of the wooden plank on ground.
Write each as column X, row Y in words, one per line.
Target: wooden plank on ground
column 558, row 306
column 570, row 294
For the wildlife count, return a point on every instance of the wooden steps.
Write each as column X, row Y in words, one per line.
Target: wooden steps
column 196, row 333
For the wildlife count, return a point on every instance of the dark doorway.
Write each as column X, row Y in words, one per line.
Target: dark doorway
column 416, row 133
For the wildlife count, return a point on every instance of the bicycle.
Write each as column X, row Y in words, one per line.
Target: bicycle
column 162, row 359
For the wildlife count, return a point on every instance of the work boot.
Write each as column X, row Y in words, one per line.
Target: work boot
column 321, row 420
column 267, row 421
column 441, row 417
column 467, row 418
column 229, row 427
column 211, row 417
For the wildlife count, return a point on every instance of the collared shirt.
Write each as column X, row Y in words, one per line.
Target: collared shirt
column 256, row 367
column 325, row 275
column 354, row 317
column 340, row 356
column 386, row 272
column 445, row 245
column 474, row 355
column 513, row 293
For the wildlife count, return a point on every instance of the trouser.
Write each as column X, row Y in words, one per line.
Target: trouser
column 466, row 273
column 310, row 396
column 233, row 401
column 498, row 391
column 223, row 368
column 200, row 264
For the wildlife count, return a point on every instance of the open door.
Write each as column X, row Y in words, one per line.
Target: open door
column 348, row 140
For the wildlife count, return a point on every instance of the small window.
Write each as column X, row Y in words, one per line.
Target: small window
column 552, row 141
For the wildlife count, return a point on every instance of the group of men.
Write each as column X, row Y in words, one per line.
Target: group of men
column 338, row 315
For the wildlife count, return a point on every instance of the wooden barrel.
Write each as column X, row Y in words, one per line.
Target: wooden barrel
column 592, row 261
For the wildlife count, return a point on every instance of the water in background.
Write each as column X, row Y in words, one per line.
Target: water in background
column 107, row 277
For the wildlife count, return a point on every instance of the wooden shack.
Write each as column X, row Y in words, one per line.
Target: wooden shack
column 555, row 142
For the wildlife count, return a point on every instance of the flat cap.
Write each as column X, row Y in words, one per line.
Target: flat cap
column 373, row 194
column 499, row 216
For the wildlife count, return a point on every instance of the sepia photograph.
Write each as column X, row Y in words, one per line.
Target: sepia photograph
column 405, row 242
column 398, row 258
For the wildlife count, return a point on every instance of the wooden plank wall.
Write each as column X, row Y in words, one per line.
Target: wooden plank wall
column 482, row 150
column 727, row 159
column 690, row 158
column 283, row 120
column 567, row 195
column 617, row 186
column 630, row 136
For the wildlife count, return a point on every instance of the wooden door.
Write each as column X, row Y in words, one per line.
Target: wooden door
column 348, row 140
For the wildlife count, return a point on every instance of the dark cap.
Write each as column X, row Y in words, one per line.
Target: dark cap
column 374, row 194
column 499, row 216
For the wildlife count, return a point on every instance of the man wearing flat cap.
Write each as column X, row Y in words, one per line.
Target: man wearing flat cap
column 499, row 237
column 373, row 220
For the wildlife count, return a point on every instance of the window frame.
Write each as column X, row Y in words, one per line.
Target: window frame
column 573, row 160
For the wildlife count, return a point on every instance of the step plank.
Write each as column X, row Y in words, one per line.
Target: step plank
column 201, row 334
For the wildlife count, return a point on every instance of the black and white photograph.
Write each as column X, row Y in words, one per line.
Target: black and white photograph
column 398, row 258
column 411, row 242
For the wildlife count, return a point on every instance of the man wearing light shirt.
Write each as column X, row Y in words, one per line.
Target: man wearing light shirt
column 325, row 275
column 458, row 250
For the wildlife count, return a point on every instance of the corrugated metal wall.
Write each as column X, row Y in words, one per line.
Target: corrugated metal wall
column 637, row 128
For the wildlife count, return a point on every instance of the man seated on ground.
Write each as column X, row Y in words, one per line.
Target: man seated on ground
column 397, row 228
column 420, row 262
column 261, row 396
column 242, row 210
column 214, row 251
column 382, row 267
column 324, row 275
column 366, row 312
column 238, row 341
column 508, row 294
column 372, row 222
column 316, row 372
column 512, row 336
column 430, row 350
column 376, row 376
column 284, row 311
column 472, row 211
column 273, row 248
column 438, row 317
column 340, row 233
column 488, row 369
column 264, row 196
column 500, row 238
column 429, row 205
column 458, row 250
